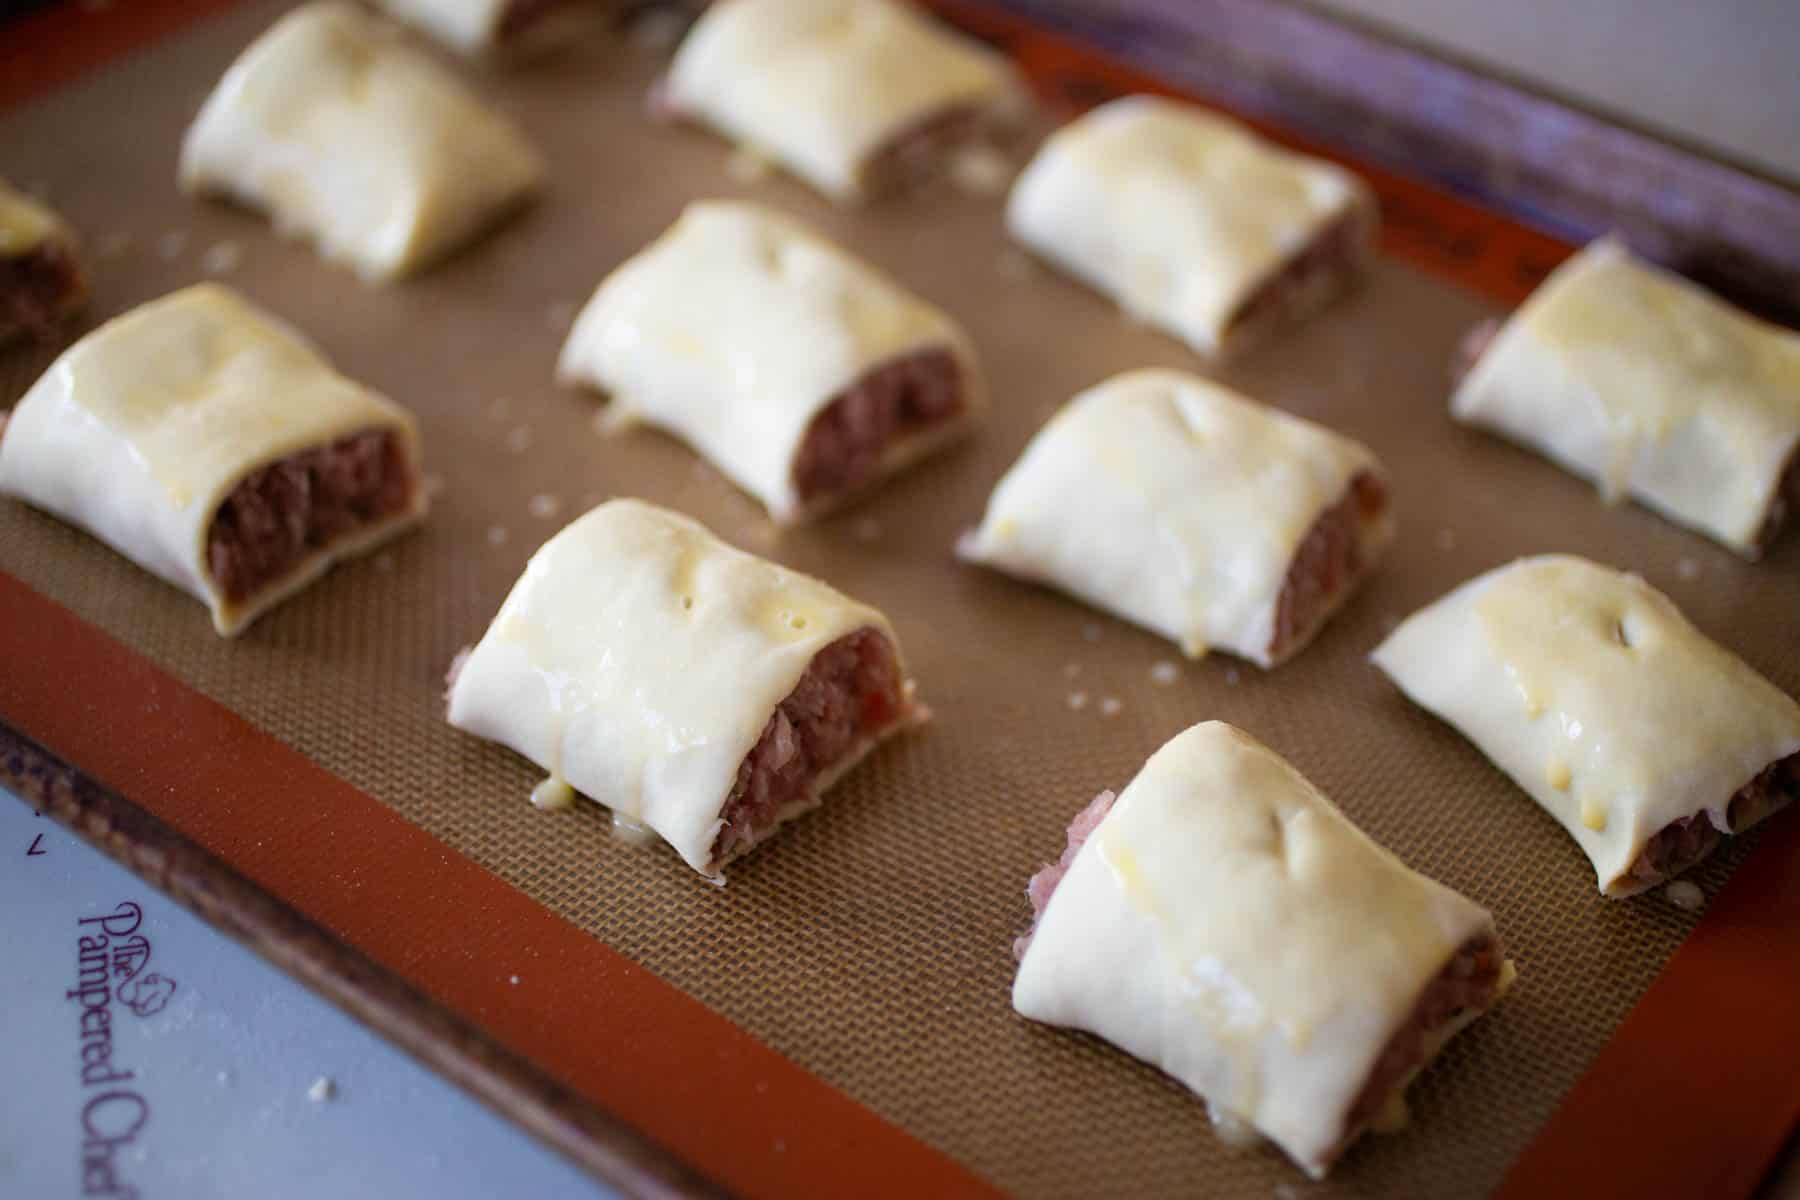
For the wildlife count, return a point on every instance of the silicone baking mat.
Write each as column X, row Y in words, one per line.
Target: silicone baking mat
column 870, row 942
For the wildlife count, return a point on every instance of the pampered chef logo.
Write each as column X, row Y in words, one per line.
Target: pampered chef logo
column 111, row 956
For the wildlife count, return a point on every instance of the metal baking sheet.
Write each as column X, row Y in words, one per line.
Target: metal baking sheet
column 870, row 941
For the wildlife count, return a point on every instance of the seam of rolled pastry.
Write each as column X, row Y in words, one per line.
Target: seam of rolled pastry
column 856, row 97
column 746, row 335
column 504, row 28
column 1630, row 376
column 1591, row 691
column 689, row 687
column 41, row 280
column 1223, row 921
column 351, row 139
column 1193, row 223
column 146, row 430
column 1172, row 502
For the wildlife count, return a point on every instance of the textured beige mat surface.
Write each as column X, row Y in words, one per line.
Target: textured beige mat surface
column 870, row 941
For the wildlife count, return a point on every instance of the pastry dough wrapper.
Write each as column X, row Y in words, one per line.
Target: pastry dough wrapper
column 737, row 327
column 1228, row 925
column 41, row 250
column 1174, row 503
column 1182, row 216
column 141, row 430
column 1631, row 376
column 639, row 658
column 350, row 138
column 25, row 224
column 826, row 85
column 484, row 27
column 1590, row 689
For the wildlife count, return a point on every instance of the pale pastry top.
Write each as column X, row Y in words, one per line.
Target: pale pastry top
column 1172, row 502
column 824, row 85
column 478, row 27
column 1177, row 213
column 469, row 26
column 140, row 430
column 1591, row 690
column 1227, row 924
column 349, row 137
column 24, row 223
column 639, row 657
column 1629, row 375
column 736, row 328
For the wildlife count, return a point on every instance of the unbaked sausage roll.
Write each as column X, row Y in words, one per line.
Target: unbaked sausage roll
column 357, row 142
column 1631, row 376
column 1182, row 507
column 41, row 281
column 799, row 371
column 213, row 446
column 857, row 97
column 1587, row 686
column 1192, row 223
column 1224, row 922
column 497, row 27
column 691, row 688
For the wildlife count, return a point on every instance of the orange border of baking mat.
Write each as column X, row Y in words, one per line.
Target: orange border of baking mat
column 44, row 49
column 600, row 1024
column 1695, row 1093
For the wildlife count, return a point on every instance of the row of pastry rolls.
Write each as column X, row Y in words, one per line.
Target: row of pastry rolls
column 1191, row 222
column 619, row 663
column 703, row 693
column 1674, row 397
column 351, row 138
column 1174, row 504
column 1156, row 495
